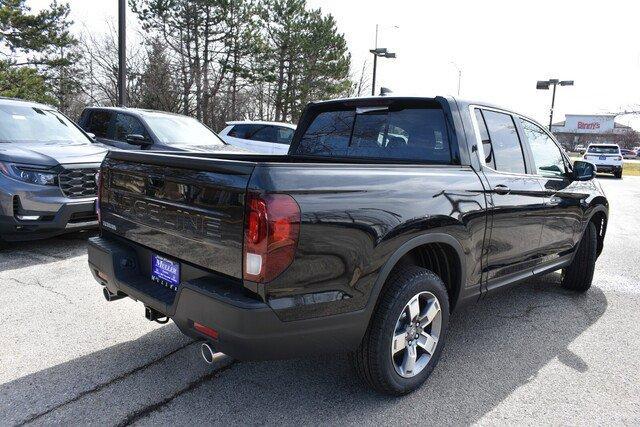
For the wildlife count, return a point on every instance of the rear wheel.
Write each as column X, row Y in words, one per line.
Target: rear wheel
column 579, row 274
column 618, row 174
column 406, row 335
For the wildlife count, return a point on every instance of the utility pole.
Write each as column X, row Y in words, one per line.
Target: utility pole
column 122, row 53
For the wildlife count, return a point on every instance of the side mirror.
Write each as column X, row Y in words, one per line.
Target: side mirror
column 584, row 171
column 136, row 139
column 91, row 135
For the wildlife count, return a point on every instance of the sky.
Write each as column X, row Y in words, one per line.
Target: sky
column 501, row 47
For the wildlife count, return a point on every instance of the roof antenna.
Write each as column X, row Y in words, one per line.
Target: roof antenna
column 384, row 91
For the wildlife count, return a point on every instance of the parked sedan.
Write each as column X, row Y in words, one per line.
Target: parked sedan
column 628, row 154
column 259, row 137
column 48, row 167
column 133, row 128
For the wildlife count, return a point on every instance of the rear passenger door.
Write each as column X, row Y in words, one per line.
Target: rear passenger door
column 515, row 199
column 253, row 137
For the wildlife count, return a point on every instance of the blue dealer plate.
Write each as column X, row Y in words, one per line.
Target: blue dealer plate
column 165, row 271
column 603, row 157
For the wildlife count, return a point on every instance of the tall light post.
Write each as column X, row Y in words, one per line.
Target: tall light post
column 383, row 53
column 545, row 85
column 379, row 52
column 122, row 53
column 459, row 74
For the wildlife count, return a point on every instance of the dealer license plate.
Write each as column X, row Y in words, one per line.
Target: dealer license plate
column 165, row 272
column 603, row 157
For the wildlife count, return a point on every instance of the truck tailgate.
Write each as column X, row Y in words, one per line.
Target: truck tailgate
column 182, row 207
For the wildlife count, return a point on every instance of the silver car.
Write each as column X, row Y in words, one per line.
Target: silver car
column 48, row 169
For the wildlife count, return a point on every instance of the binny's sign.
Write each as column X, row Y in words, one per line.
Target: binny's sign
column 589, row 124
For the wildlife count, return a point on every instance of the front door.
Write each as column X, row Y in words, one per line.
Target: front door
column 563, row 212
column 516, row 200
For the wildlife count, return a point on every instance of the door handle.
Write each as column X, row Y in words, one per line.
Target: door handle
column 501, row 189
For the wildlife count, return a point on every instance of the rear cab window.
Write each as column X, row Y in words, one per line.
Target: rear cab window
column 414, row 132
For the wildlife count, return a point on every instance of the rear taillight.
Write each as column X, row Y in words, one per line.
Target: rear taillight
column 272, row 227
column 99, row 187
column 619, row 157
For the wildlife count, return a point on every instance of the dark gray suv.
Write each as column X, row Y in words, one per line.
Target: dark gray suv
column 48, row 167
column 139, row 129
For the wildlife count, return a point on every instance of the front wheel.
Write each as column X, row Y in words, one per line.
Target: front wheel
column 579, row 274
column 618, row 175
column 407, row 333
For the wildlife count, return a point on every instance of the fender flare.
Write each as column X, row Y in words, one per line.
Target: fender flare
column 404, row 249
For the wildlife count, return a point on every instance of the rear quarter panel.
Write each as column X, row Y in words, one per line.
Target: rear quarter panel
column 354, row 217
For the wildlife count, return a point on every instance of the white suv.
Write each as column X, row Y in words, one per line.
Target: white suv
column 607, row 157
column 259, row 137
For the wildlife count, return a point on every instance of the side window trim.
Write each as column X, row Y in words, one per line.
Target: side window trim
column 479, row 146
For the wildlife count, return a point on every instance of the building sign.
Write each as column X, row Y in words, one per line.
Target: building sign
column 588, row 124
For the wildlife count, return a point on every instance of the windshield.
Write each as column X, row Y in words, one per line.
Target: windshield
column 20, row 124
column 181, row 130
column 603, row 149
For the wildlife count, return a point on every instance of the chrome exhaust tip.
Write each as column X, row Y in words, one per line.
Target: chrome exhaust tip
column 207, row 353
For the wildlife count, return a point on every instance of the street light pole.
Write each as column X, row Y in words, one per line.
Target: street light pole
column 122, row 53
column 553, row 103
column 545, row 85
column 375, row 66
column 382, row 52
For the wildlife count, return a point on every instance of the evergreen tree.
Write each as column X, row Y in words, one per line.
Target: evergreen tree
column 39, row 52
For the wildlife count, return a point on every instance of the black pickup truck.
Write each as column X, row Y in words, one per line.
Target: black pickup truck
column 387, row 214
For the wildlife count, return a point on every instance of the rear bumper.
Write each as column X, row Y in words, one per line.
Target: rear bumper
column 609, row 168
column 248, row 329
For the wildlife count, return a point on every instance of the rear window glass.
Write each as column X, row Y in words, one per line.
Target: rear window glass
column 408, row 134
column 603, row 149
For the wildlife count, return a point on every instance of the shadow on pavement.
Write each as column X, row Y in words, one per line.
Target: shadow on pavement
column 493, row 348
column 25, row 254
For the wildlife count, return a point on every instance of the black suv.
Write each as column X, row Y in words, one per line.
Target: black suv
column 133, row 128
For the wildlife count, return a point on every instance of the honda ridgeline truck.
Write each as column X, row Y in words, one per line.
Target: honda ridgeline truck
column 387, row 214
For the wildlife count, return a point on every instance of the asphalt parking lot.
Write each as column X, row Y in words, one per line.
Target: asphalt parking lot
column 533, row 354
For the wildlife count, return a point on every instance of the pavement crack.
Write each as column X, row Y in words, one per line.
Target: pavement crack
column 39, row 284
column 148, row 410
column 102, row 386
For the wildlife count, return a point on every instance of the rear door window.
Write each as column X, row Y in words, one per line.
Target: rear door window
column 418, row 134
column 98, row 123
column 505, row 142
column 487, row 148
column 265, row 133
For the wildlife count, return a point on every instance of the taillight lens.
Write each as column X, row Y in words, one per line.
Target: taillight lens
column 272, row 227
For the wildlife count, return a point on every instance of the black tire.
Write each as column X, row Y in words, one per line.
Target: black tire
column 579, row 274
column 618, row 175
column 372, row 361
